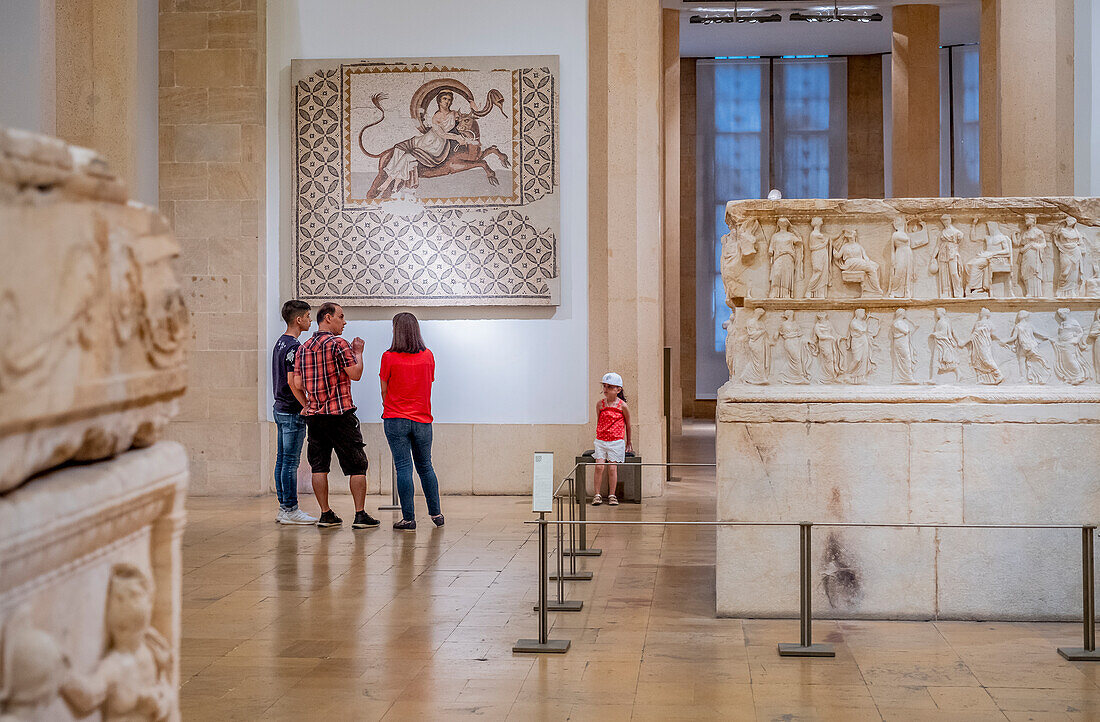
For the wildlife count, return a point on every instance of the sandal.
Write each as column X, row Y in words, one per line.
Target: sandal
column 597, row 500
column 611, row 500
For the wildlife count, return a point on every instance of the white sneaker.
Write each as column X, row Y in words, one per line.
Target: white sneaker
column 280, row 518
column 298, row 517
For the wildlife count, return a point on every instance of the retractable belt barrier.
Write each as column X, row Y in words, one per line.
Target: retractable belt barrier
column 805, row 646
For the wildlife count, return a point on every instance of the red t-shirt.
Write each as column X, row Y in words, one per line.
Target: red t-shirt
column 410, row 377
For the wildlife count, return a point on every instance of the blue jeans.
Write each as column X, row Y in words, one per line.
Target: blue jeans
column 411, row 444
column 292, row 432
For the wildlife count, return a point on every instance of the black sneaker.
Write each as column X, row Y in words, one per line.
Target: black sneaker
column 329, row 518
column 405, row 525
column 363, row 520
column 437, row 520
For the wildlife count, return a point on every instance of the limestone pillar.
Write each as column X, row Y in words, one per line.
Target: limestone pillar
column 96, row 79
column 1027, row 97
column 625, row 210
column 212, row 150
column 915, row 93
column 866, row 175
column 670, row 157
column 687, row 235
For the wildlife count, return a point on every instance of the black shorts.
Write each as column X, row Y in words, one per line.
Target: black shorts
column 328, row 432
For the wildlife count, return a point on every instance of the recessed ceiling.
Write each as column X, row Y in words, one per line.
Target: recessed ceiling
column 959, row 23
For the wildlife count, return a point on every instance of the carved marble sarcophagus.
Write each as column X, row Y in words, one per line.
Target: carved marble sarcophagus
column 91, row 365
column 91, row 345
column 905, row 361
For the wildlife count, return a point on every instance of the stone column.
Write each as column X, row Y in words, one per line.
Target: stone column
column 1027, row 97
column 625, row 209
column 687, row 235
column 95, row 79
column 915, row 93
column 866, row 161
column 212, row 135
column 670, row 157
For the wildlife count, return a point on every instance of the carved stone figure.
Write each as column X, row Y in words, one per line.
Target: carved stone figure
column 980, row 344
column 901, row 265
column 1024, row 340
column 33, row 669
column 757, row 350
column 731, row 344
column 945, row 347
column 855, row 265
column 995, row 259
column 785, row 252
column 1070, row 243
column 1033, row 244
column 793, row 351
column 1070, row 363
column 820, row 251
column 738, row 249
column 859, row 347
column 946, row 263
column 825, row 345
column 1094, row 335
column 132, row 680
column 901, row 347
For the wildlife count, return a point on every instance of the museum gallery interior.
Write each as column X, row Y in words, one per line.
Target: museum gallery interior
column 735, row 360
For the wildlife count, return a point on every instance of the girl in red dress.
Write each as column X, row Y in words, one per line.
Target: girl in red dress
column 612, row 436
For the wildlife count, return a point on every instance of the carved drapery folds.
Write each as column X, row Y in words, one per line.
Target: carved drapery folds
column 945, row 292
column 91, row 355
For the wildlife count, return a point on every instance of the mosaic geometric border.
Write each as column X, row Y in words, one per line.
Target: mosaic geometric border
column 457, row 251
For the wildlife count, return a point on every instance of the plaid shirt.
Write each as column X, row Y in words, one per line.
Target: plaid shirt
column 321, row 362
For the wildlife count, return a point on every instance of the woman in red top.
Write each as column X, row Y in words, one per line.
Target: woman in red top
column 407, row 373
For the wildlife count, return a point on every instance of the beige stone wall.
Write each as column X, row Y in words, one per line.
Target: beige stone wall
column 670, row 192
column 212, row 192
column 915, row 78
column 866, row 177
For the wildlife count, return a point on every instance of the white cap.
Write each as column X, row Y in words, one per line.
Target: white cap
column 613, row 379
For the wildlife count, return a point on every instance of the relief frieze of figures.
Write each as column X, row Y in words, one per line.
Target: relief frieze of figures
column 998, row 253
column 840, row 347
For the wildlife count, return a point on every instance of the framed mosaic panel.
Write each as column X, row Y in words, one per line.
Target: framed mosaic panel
column 426, row 181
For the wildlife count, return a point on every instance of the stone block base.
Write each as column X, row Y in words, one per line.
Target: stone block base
column 85, row 552
column 950, row 463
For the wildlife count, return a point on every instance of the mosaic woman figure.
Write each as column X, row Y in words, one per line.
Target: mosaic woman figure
column 1070, row 364
column 430, row 148
column 980, row 344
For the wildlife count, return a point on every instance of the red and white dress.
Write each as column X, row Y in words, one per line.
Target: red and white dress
column 611, row 432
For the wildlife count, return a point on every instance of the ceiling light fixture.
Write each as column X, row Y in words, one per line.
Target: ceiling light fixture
column 710, row 19
column 835, row 16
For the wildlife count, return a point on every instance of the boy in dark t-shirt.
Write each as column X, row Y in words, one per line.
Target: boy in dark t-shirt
column 288, row 405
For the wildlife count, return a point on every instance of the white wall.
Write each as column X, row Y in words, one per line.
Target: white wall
column 493, row 365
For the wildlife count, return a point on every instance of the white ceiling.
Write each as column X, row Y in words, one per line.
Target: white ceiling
column 959, row 23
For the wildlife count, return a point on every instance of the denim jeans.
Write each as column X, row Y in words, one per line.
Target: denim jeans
column 411, row 444
column 292, row 432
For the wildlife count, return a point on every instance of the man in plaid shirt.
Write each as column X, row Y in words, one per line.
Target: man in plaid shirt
column 325, row 366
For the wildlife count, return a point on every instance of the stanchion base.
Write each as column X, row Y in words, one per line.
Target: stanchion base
column 389, row 507
column 1080, row 654
column 566, row 606
column 797, row 650
column 533, row 646
column 583, row 552
column 578, row 577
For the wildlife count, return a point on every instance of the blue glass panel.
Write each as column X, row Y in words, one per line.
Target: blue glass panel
column 720, row 229
column 737, row 166
column 720, row 313
column 806, row 165
column 737, row 93
column 805, row 95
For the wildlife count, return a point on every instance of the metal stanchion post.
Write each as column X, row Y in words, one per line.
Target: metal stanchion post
column 562, row 604
column 543, row 644
column 1088, row 652
column 395, row 503
column 805, row 646
column 580, row 496
column 572, row 528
